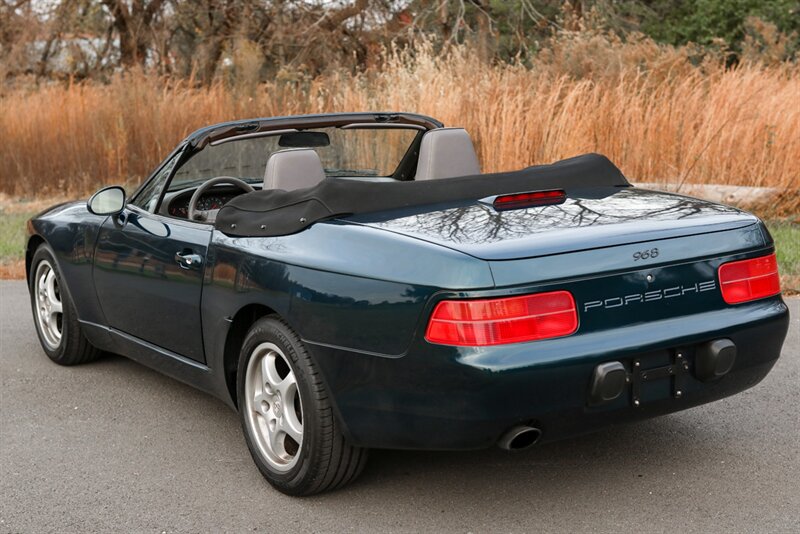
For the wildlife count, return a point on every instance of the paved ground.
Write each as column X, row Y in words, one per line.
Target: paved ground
column 113, row 446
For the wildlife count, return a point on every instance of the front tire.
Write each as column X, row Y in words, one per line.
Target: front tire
column 288, row 422
column 54, row 314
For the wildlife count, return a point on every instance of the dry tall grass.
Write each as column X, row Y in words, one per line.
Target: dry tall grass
column 658, row 118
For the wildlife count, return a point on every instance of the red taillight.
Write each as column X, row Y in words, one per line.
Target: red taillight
column 745, row 280
column 505, row 320
column 524, row 200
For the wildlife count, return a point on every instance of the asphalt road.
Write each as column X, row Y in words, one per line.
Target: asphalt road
column 113, row 446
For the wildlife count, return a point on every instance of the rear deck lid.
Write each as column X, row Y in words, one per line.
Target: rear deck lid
column 587, row 219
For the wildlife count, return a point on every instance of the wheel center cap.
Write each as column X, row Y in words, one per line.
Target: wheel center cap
column 276, row 407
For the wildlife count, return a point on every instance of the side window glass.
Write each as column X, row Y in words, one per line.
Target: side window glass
column 147, row 199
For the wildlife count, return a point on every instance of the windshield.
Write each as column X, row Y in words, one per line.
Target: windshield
column 349, row 152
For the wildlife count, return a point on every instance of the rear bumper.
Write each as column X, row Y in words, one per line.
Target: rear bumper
column 439, row 397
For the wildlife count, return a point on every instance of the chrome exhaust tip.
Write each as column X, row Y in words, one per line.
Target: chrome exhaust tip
column 519, row 438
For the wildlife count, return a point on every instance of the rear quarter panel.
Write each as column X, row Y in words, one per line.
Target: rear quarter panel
column 337, row 285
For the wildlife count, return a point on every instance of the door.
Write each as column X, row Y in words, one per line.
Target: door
column 148, row 269
column 149, row 277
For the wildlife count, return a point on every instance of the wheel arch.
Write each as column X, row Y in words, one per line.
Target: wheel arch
column 34, row 241
column 240, row 325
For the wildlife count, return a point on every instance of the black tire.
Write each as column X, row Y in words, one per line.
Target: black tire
column 325, row 460
column 73, row 348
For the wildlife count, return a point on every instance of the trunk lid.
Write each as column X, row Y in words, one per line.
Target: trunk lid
column 588, row 219
column 626, row 255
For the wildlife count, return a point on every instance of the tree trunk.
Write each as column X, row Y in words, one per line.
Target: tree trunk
column 133, row 25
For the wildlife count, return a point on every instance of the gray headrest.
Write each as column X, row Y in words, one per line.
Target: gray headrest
column 294, row 168
column 445, row 153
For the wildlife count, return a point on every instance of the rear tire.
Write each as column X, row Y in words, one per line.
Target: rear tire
column 54, row 314
column 286, row 415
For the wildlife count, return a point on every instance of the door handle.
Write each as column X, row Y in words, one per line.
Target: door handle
column 187, row 259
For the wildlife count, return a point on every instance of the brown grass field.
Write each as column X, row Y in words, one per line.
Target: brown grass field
column 660, row 113
column 649, row 109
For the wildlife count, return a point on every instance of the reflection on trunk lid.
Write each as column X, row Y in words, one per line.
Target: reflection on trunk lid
column 587, row 219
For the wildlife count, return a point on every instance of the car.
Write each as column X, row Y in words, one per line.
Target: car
column 353, row 281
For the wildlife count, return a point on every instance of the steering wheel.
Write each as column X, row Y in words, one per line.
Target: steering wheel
column 210, row 215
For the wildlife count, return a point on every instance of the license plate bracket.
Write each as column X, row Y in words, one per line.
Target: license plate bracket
column 677, row 372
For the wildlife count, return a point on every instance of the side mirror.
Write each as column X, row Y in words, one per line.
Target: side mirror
column 108, row 201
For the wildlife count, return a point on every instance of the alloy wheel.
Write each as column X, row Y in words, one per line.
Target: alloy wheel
column 274, row 408
column 49, row 306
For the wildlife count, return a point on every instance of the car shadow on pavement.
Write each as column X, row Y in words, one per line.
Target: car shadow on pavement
column 627, row 447
column 611, row 460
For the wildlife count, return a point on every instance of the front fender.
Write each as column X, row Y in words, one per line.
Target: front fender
column 71, row 232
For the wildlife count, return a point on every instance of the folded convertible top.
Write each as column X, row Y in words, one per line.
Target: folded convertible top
column 277, row 212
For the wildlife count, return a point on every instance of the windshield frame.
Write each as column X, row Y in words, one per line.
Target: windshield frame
column 217, row 132
column 198, row 139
